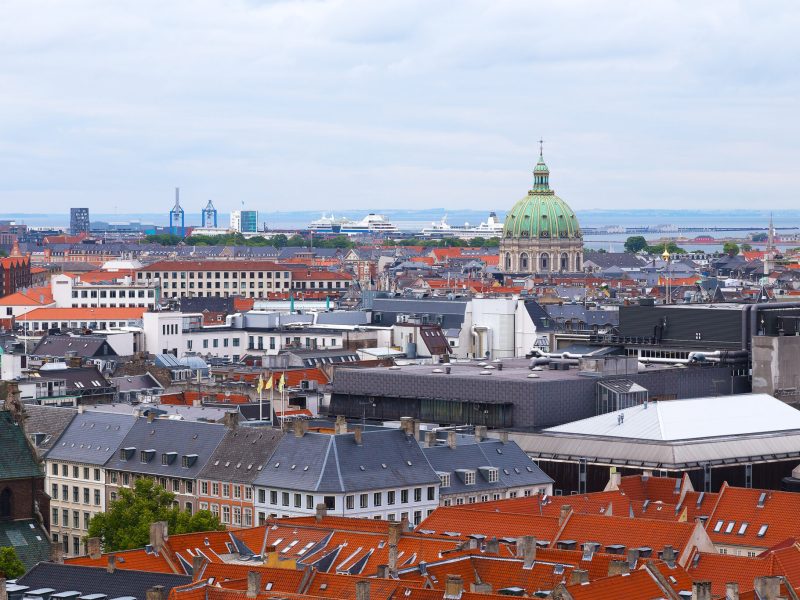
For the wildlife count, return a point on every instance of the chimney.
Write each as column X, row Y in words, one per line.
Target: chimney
column 614, row 481
column 75, row 362
column 155, row 593
column 56, row 552
column 395, row 532
column 392, row 566
column 701, row 590
column 480, row 433
column 578, row 576
column 357, row 431
column 300, row 428
column 618, row 567
column 198, row 562
column 566, row 509
column 341, row 425
column 253, row 584
column 633, row 558
column 407, row 425
column 668, row 555
column 93, row 548
column 768, row 588
column 197, row 402
column 158, row 535
column 3, row 589
column 383, row 571
column 231, row 419
column 451, row 440
column 430, row 439
column 151, row 416
column 526, row 550
column 503, row 437
column 732, row 591
column 453, row 588
column 492, row 546
column 322, row 512
column 362, row 589
column 480, row 588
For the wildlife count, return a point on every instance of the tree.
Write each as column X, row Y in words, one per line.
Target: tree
column 759, row 237
column 11, row 566
column 746, row 247
column 296, row 240
column 635, row 243
column 126, row 523
column 730, row 248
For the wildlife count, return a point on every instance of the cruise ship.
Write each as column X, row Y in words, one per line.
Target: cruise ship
column 490, row 228
column 372, row 224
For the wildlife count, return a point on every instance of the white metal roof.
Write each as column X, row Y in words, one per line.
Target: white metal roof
column 690, row 419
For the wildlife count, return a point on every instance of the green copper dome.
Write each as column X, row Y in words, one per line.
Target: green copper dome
column 541, row 214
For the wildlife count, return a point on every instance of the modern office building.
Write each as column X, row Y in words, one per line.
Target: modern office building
column 78, row 220
column 244, row 221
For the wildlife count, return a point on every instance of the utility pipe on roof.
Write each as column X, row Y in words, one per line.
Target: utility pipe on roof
column 755, row 308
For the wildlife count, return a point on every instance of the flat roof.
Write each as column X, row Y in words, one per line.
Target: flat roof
column 690, row 419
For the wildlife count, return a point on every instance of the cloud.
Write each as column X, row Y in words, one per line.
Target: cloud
column 364, row 104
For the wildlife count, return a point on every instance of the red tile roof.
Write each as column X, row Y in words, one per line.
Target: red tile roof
column 213, row 265
column 84, row 314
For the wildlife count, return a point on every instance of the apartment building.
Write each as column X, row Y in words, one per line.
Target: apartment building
column 251, row 278
column 76, row 474
column 370, row 474
column 71, row 291
column 171, row 452
column 227, row 481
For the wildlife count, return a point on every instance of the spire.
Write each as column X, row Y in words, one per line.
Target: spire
column 541, row 174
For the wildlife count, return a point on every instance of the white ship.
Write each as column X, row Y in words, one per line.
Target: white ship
column 372, row 224
column 490, row 228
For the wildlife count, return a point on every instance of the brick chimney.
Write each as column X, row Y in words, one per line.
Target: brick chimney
column 357, row 431
column 300, row 428
column 155, row 593
column 198, row 562
column 231, row 419
column 633, row 558
column 503, row 437
column 407, row 425
column 253, row 584
column 732, row 591
column 618, row 567
column 93, row 548
column 430, row 439
column 492, row 546
column 158, row 535
column 341, row 425
column 362, row 589
column 566, row 509
column 768, row 588
column 701, row 590
column 668, row 555
column 322, row 512
column 578, row 576
column 480, row 433
column 56, row 552
column 526, row 550
column 451, row 440
column 395, row 532
column 111, row 565
column 453, row 587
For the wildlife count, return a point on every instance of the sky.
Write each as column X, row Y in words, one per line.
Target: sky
column 364, row 104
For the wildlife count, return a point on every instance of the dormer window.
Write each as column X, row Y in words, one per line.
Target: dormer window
column 146, row 456
column 490, row 474
column 445, row 479
column 467, row 476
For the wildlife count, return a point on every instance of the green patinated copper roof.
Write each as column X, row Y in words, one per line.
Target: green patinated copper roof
column 541, row 214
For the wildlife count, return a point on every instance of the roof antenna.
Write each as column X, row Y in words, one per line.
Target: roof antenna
column 541, row 147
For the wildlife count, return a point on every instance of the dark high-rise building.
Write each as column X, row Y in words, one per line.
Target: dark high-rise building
column 78, row 220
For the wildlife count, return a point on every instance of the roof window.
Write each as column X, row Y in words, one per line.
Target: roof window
column 718, row 526
column 762, row 530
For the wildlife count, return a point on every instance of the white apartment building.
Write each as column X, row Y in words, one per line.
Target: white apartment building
column 69, row 291
column 76, row 477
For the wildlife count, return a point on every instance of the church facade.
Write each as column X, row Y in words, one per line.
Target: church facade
column 541, row 233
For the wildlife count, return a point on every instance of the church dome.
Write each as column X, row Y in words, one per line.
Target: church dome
column 541, row 214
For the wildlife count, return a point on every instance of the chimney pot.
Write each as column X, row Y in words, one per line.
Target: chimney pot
column 253, row 584
column 341, row 425
column 566, row 509
column 430, row 439
column 383, row 571
column 492, row 546
column 357, row 431
column 300, row 428
column 158, row 534
column 111, row 566
column 151, row 416
column 322, row 512
column 618, row 567
column 231, row 419
column 56, row 552
column 526, row 550
column 480, row 433
column 155, row 593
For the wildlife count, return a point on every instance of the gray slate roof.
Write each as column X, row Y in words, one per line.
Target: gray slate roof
column 135, row 383
column 165, row 436
column 85, row 346
column 336, row 464
column 91, row 437
column 29, row 540
column 514, row 467
column 95, row 580
column 242, row 455
column 606, row 260
column 50, row 420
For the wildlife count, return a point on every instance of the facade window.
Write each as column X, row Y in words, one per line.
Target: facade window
column 377, row 497
column 237, row 491
column 226, row 490
column 248, row 493
column 86, row 495
column 248, row 517
column 204, row 488
column 364, row 501
column 390, row 497
column 404, row 496
column 97, row 497
column 310, row 502
column 97, row 474
column 417, row 494
column 298, row 501
column 54, row 492
column 273, row 497
column 215, row 489
column 431, row 493
column 215, row 510
column 55, row 517
column 350, row 502
column 285, row 499
column 226, row 513
column 54, row 468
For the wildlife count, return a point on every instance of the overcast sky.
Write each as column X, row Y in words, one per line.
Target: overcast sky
column 380, row 103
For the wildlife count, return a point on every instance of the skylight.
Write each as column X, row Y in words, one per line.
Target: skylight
column 718, row 526
column 762, row 530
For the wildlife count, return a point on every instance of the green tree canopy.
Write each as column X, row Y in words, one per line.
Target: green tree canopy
column 126, row 523
column 672, row 248
column 635, row 243
column 11, row 566
column 759, row 237
column 746, row 247
column 730, row 248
